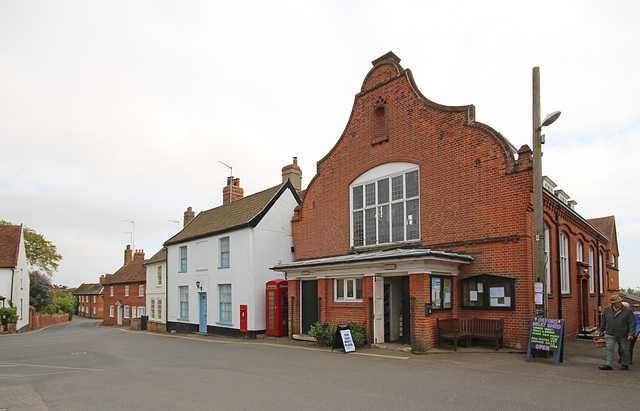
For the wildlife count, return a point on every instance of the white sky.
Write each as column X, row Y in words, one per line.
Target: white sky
column 122, row 110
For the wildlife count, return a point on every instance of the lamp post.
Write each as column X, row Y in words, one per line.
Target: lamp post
column 538, row 215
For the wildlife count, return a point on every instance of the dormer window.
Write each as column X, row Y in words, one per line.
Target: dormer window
column 385, row 203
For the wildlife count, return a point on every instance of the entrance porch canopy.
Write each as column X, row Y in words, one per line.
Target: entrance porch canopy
column 401, row 261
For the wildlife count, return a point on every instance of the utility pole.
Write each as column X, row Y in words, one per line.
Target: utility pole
column 538, row 217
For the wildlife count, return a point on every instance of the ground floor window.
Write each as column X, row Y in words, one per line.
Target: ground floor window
column 140, row 311
column 134, row 312
column 153, row 308
column 441, row 291
column 111, row 311
column 126, row 311
column 225, row 303
column 349, row 289
column 488, row 292
column 159, row 307
column 184, row 302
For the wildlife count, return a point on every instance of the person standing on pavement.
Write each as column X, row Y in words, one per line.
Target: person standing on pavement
column 619, row 326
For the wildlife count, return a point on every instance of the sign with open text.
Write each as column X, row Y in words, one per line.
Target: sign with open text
column 546, row 334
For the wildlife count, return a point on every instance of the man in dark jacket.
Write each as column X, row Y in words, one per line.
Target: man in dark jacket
column 619, row 326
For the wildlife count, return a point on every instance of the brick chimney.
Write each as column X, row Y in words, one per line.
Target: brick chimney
column 232, row 191
column 104, row 277
column 188, row 216
column 127, row 255
column 138, row 255
column 293, row 173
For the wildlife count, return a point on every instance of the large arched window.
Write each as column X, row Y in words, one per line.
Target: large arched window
column 592, row 280
column 564, row 263
column 385, row 205
column 547, row 259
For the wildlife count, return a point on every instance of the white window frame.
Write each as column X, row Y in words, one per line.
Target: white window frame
column 592, row 281
column 111, row 311
column 341, row 287
column 126, row 311
column 601, row 279
column 183, row 292
column 153, row 308
column 141, row 311
column 141, row 290
column 94, row 310
column 372, row 219
column 225, row 252
column 159, row 275
column 225, row 294
column 94, row 298
column 183, row 259
column 563, row 249
column 111, row 291
column 134, row 312
column 159, row 309
column 126, row 290
column 579, row 251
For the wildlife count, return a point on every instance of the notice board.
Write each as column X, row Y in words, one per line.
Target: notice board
column 343, row 339
column 546, row 334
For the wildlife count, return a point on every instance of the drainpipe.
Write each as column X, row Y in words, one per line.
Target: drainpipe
column 320, row 310
column 291, row 321
column 558, row 261
column 413, row 332
column 370, row 320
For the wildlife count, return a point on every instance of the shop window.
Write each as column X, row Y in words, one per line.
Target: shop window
column 441, row 292
column 488, row 292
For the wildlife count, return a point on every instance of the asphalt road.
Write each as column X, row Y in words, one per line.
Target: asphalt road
column 84, row 366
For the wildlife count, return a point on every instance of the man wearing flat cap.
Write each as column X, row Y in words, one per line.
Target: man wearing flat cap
column 619, row 326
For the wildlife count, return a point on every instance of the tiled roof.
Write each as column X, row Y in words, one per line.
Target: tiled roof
column 9, row 245
column 604, row 224
column 157, row 257
column 134, row 272
column 245, row 212
column 89, row 289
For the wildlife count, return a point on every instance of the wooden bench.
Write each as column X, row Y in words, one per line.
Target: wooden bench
column 467, row 329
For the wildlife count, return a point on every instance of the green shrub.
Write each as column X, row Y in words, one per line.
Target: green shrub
column 358, row 334
column 323, row 332
column 12, row 316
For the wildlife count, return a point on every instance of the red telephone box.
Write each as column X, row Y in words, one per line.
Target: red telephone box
column 277, row 305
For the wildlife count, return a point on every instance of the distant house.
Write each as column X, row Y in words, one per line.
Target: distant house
column 124, row 291
column 218, row 264
column 156, row 269
column 90, row 300
column 14, row 273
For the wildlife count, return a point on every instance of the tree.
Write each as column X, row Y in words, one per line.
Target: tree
column 40, row 294
column 40, row 252
column 633, row 291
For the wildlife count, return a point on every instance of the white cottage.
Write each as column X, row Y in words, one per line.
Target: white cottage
column 218, row 264
column 157, row 290
column 14, row 273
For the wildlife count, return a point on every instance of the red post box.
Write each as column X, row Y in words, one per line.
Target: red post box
column 277, row 306
column 243, row 318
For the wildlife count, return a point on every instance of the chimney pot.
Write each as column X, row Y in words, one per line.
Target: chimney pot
column 188, row 216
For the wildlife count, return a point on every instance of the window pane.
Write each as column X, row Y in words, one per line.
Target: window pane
column 358, row 233
column 436, row 292
column 370, row 194
column 350, row 288
column 383, row 224
column 412, row 184
column 357, row 197
column 225, row 303
column 370, row 225
column 397, row 222
column 413, row 220
column 339, row 289
column 397, row 188
column 359, row 289
column 383, row 191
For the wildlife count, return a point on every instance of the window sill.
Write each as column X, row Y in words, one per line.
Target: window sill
column 182, row 319
column 230, row 323
column 224, row 266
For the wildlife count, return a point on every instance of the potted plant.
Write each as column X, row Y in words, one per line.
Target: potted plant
column 323, row 333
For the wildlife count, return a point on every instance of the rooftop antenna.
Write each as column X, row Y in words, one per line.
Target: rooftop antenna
column 175, row 221
column 133, row 233
column 230, row 176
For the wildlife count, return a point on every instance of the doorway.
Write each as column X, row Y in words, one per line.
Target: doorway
column 397, row 310
column 202, row 298
column 309, row 304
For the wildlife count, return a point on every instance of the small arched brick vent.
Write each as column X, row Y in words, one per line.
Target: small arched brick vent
column 380, row 132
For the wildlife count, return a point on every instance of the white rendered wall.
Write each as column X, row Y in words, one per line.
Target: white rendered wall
column 156, row 291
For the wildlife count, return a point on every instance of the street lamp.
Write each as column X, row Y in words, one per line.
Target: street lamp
column 538, row 216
